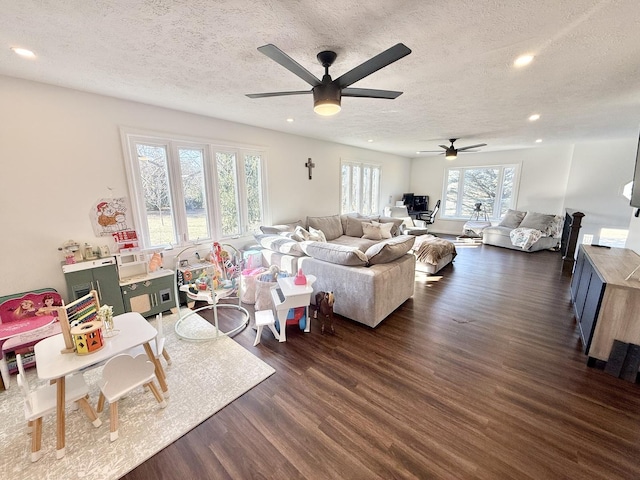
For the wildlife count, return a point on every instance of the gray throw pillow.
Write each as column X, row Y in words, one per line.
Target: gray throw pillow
column 512, row 219
column 344, row 217
column 538, row 221
column 390, row 250
column 331, row 226
column 354, row 227
column 332, row 253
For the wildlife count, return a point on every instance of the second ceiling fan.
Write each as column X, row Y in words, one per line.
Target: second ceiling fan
column 327, row 92
column 450, row 152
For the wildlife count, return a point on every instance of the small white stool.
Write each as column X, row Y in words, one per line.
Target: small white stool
column 263, row 318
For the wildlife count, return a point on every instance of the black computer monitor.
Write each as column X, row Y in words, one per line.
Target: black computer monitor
column 420, row 203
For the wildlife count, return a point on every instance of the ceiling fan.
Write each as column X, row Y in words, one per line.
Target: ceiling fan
column 451, row 152
column 327, row 92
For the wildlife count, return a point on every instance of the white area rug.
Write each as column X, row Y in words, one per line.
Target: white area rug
column 203, row 378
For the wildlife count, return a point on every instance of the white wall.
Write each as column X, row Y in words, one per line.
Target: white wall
column 599, row 171
column 633, row 240
column 61, row 150
column 543, row 178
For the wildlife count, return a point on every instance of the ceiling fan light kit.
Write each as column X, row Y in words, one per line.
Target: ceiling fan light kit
column 326, row 99
column 327, row 93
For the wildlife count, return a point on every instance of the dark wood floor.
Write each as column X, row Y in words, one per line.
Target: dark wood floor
column 479, row 376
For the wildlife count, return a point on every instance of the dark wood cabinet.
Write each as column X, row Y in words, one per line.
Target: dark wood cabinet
column 606, row 303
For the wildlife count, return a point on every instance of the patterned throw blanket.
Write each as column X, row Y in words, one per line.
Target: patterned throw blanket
column 524, row 237
column 430, row 249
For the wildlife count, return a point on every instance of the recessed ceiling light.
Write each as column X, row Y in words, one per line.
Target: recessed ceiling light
column 417, row 153
column 370, row 140
column 23, row 52
column 539, row 140
column 523, row 60
column 534, row 117
column 289, row 120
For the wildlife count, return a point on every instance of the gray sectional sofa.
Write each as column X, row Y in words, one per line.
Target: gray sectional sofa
column 370, row 276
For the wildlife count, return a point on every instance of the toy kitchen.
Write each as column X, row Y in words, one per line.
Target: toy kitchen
column 129, row 281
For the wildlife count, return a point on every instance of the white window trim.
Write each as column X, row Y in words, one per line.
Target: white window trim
column 514, row 196
column 361, row 165
column 129, row 136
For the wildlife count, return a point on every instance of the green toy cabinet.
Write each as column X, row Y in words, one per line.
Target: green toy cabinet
column 99, row 275
column 149, row 294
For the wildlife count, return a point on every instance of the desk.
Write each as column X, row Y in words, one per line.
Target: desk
column 53, row 365
column 295, row 296
column 418, row 214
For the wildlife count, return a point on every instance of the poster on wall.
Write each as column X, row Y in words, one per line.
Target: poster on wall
column 110, row 215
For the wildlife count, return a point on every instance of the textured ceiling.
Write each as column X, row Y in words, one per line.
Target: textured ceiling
column 201, row 56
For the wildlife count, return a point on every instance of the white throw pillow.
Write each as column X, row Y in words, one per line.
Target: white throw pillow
column 385, row 229
column 316, row 235
column 371, row 231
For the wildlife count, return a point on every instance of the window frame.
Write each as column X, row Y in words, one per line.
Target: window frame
column 498, row 194
column 172, row 144
column 374, row 197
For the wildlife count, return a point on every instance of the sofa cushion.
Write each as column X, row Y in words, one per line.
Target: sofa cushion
column 538, row 221
column 331, row 226
column 512, row 219
column 285, row 227
column 357, row 242
column 390, row 250
column 371, row 231
column 340, row 254
column 281, row 244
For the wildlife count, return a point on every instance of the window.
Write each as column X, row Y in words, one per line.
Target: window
column 495, row 187
column 184, row 191
column 360, row 188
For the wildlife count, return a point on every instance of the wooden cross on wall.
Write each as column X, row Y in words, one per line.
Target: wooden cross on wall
column 310, row 165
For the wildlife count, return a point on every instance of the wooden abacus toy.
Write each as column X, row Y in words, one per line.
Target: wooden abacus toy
column 83, row 310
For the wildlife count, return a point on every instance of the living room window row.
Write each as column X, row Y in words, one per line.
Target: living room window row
column 360, row 188
column 184, row 191
column 493, row 187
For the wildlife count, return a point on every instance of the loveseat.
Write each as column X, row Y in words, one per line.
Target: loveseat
column 525, row 231
column 369, row 275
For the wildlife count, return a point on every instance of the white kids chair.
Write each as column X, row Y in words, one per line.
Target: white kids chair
column 157, row 346
column 42, row 400
column 121, row 375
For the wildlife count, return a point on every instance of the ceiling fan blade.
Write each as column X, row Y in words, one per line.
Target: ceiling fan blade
column 472, row 146
column 373, row 65
column 430, row 151
column 277, row 94
column 370, row 93
column 277, row 55
column 444, row 146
